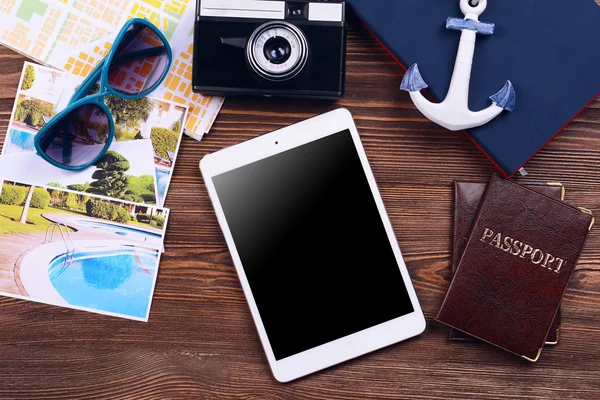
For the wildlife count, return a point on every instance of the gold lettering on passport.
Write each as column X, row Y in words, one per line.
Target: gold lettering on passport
column 533, row 256
column 522, row 250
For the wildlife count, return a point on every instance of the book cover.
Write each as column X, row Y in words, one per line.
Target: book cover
column 521, row 253
column 547, row 49
column 467, row 198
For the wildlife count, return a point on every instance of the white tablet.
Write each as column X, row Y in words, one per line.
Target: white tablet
column 312, row 244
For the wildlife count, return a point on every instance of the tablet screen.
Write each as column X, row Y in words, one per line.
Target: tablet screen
column 312, row 244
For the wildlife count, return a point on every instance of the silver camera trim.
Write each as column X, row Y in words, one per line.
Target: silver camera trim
column 269, row 75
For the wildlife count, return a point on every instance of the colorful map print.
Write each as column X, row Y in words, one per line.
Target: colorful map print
column 74, row 35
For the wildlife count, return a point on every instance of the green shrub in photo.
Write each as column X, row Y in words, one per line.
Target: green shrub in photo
column 40, row 198
column 133, row 198
column 143, row 218
column 57, row 198
column 89, row 207
column 82, row 203
column 129, row 113
column 125, row 134
column 72, row 201
column 120, row 215
column 110, row 176
column 77, row 187
column 101, row 209
column 155, row 220
column 149, row 198
column 28, row 78
column 137, row 187
column 34, row 119
column 160, row 220
column 164, row 140
column 131, row 195
column 13, row 195
column 106, row 210
column 38, row 109
column 119, row 133
column 176, row 126
column 21, row 114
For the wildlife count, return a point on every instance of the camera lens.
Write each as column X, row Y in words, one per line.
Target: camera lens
column 277, row 51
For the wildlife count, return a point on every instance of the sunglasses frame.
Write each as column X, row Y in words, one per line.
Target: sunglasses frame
column 81, row 97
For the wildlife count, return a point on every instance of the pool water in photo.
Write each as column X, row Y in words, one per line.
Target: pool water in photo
column 119, row 230
column 19, row 141
column 116, row 280
column 163, row 178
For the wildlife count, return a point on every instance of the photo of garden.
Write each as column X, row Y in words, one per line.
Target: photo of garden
column 111, row 179
column 165, row 141
column 77, row 249
column 31, row 113
column 38, row 93
column 164, row 128
column 126, row 172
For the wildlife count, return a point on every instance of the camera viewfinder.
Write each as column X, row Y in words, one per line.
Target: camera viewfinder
column 296, row 10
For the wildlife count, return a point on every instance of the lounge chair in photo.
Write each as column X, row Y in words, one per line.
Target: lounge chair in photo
column 79, row 137
column 161, row 161
column 94, row 136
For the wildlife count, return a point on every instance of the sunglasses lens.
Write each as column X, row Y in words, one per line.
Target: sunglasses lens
column 139, row 62
column 78, row 137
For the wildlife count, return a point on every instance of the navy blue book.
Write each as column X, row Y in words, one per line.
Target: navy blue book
column 548, row 49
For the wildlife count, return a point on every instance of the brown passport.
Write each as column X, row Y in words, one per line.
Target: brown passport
column 467, row 198
column 520, row 255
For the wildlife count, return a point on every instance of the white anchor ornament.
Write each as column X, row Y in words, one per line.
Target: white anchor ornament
column 453, row 113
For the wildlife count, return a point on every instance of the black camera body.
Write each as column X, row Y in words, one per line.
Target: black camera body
column 270, row 48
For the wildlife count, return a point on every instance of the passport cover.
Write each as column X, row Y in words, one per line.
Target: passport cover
column 547, row 49
column 467, row 198
column 521, row 253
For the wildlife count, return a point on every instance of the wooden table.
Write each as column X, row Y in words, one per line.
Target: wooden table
column 201, row 341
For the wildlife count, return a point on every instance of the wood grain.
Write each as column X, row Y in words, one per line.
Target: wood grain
column 201, row 342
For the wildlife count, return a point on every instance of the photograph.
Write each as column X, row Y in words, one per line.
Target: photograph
column 161, row 121
column 38, row 99
column 42, row 83
column 29, row 117
column 44, row 92
column 164, row 127
column 123, row 173
column 79, row 250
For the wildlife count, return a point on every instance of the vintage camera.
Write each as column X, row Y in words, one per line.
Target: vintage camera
column 270, row 48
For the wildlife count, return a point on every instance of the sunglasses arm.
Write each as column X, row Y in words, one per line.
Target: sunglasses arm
column 88, row 84
column 92, row 79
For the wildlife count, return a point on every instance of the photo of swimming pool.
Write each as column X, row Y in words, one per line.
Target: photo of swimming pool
column 19, row 141
column 113, row 280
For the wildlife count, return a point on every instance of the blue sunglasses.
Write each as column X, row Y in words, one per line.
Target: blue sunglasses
column 138, row 62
